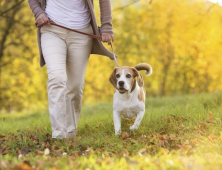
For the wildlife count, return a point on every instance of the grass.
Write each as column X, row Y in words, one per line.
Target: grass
column 178, row 132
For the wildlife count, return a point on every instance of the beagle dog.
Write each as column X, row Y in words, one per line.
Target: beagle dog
column 129, row 97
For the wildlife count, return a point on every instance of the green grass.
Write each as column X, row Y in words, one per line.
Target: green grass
column 179, row 132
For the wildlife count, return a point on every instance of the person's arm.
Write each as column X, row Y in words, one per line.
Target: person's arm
column 35, row 7
column 106, row 18
column 40, row 15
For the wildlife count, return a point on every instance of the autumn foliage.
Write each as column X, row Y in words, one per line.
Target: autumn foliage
column 181, row 39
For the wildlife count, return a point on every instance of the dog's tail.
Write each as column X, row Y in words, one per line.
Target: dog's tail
column 144, row 66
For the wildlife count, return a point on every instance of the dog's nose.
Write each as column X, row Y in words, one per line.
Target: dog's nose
column 121, row 83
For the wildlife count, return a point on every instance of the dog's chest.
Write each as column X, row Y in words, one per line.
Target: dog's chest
column 129, row 108
column 130, row 112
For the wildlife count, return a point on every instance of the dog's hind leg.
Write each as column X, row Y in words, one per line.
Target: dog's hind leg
column 117, row 122
column 138, row 119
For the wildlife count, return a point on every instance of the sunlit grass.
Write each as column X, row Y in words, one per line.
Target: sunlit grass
column 182, row 132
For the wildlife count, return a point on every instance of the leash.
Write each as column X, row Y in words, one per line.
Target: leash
column 110, row 43
column 90, row 35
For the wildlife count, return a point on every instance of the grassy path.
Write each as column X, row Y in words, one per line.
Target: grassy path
column 181, row 132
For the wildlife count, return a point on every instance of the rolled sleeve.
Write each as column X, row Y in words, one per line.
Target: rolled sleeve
column 106, row 16
column 35, row 7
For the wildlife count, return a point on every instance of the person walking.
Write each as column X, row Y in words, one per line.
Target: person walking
column 66, row 54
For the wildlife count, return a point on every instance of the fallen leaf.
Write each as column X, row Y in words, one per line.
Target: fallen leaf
column 172, row 137
column 142, row 151
column 186, row 142
column 38, row 152
column 23, row 166
column 124, row 152
column 46, row 151
column 210, row 115
column 3, row 164
column 186, row 147
column 125, row 135
column 182, row 126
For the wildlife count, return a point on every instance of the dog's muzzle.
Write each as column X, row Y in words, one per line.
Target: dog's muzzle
column 121, row 87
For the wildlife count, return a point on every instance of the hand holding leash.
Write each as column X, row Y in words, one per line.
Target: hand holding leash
column 107, row 37
column 41, row 20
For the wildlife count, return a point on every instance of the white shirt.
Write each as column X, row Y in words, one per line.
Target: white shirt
column 72, row 14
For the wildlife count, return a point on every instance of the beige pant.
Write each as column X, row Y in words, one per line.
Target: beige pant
column 66, row 54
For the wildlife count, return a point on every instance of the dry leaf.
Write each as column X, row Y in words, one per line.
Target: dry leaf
column 186, row 142
column 46, row 151
column 182, row 126
column 210, row 115
column 125, row 135
column 3, row 164
column 23, row 166
column 142, row 151
column 39, row 152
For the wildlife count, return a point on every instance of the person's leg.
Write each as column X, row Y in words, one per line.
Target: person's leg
column 54, row 51
column 79, row 48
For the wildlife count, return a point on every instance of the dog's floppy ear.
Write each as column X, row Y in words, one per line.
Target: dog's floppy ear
column 139, row 77
column 113, row 79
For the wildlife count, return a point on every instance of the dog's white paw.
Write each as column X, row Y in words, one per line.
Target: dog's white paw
column 133, row 127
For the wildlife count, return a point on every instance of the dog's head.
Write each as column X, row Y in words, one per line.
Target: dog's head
column 124, row 79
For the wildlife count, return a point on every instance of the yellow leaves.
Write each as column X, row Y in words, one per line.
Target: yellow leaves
column 183, row 40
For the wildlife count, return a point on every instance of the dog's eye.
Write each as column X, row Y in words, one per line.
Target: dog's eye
column 117, row 75
column 128, row 76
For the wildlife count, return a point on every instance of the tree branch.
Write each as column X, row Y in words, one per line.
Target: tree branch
column 11, row 8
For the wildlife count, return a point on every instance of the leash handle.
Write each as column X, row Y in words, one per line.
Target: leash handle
column 90, row 35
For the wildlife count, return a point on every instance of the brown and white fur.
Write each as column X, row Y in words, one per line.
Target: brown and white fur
column 129, row 97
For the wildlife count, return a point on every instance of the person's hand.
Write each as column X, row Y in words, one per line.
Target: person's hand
column 107, row 37
column 42, row 20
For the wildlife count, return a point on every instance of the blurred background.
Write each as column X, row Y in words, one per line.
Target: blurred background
column 180, row 39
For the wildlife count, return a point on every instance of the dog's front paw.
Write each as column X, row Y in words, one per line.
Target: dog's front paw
column 133, row 127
